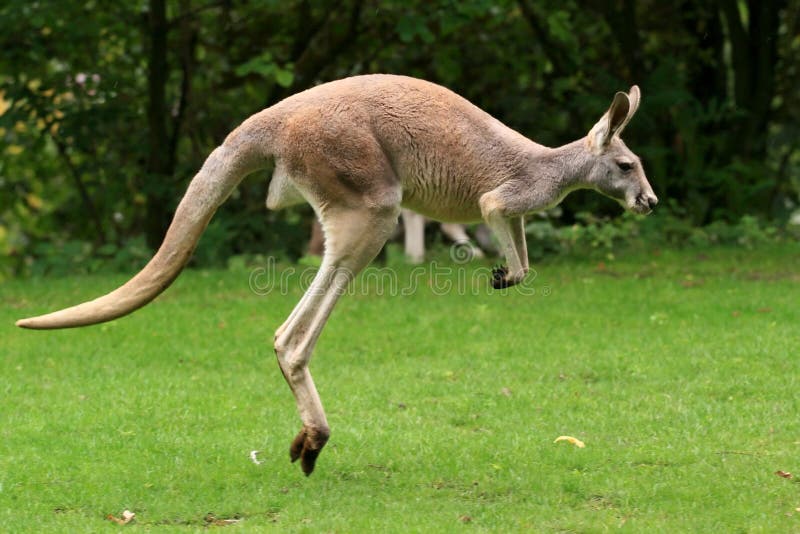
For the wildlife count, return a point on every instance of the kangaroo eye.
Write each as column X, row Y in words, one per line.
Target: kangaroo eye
column 624, row 166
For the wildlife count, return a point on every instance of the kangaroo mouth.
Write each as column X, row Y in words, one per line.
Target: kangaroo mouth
column 642, row 204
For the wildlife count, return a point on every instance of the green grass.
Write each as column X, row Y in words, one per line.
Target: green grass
column 679, row 371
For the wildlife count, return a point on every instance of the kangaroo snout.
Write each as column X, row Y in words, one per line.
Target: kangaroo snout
column 645, row 203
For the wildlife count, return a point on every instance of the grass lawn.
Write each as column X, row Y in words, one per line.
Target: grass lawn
column 678, row 370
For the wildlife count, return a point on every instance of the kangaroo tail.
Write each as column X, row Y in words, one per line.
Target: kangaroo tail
column 227, row 165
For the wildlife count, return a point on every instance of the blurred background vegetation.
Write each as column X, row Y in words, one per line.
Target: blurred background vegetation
column 108, row 108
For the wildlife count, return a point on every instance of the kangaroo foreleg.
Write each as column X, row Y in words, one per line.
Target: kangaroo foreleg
column 510, row 233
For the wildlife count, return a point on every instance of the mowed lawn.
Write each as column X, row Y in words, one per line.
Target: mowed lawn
column 679, row 371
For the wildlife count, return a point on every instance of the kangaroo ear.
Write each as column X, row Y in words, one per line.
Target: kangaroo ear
column 634, row 97
column 610, row 123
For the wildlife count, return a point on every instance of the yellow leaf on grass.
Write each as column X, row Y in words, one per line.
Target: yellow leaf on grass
column 569, row 439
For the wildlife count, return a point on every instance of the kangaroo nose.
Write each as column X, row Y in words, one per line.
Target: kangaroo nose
column 651, row 202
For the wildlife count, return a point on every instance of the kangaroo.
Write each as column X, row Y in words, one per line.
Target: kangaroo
column 356, row 150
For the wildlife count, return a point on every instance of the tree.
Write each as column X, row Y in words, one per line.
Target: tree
column 107, row 109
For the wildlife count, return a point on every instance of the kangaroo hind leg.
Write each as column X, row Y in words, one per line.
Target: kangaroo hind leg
column 353, row 238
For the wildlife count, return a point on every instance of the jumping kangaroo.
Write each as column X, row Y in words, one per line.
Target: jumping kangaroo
column 357, row 150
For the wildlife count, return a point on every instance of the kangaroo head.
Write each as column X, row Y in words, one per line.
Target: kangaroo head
column 615, row 171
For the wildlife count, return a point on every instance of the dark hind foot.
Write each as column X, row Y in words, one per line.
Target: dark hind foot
column 306, row 446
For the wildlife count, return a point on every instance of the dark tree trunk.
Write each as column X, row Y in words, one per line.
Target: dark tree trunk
column 621, row 17
column 318, row 44
column 158, row 179
column 165, row 125
column 187, row 30
column 754, row 56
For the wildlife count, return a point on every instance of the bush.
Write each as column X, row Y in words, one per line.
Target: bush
column 589, row 236
column 600, row 236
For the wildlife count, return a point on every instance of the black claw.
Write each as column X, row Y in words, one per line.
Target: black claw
column 309, row 460
column 499, row 274
column 296, row 449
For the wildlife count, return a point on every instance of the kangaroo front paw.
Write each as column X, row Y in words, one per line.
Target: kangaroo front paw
column 306, row 446
column 500, row 277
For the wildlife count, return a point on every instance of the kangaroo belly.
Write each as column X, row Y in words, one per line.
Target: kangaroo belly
column 441, row 207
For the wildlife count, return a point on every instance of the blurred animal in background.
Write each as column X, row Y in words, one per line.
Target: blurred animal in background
column 414, row 238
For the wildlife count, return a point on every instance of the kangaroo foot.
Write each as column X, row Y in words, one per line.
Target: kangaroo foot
column 306, row 446
column 500, row 277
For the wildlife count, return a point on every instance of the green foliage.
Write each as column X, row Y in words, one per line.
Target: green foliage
column 83, row 96
column 601, row 237
column 265, row 66
column 62, row 258
column 413, row 26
